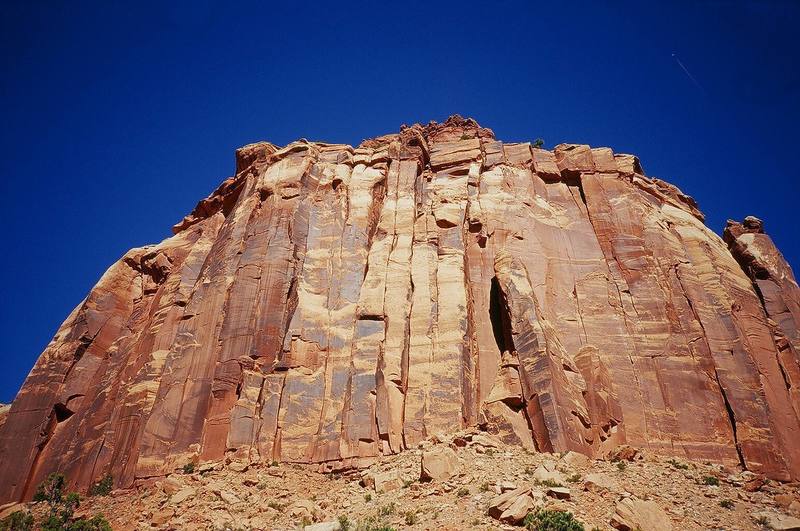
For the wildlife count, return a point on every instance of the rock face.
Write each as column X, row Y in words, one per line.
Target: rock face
column 330, row 304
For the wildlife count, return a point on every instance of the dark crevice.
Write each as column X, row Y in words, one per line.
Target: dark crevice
column 500, row 318
column 61, row 412
column 732, row 419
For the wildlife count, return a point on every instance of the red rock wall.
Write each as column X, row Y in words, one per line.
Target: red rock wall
column 330, row 304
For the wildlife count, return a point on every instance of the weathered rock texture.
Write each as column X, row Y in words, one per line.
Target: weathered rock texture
column 329, row 304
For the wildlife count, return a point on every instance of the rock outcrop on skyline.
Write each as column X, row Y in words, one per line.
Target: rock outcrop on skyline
column 330, row 304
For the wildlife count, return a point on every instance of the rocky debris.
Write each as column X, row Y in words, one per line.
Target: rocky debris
column 382, row 481
column 624, row 453
column 438, row 464
column 305, row 509
column 332, row 305
column 547, row 472
column 333, row 525
column 600, row 483
column 183, row 495
column 290, row 496
column 9, row 508
column 631, row 514
column 161, row 516
column 778, row 522
column 575, row 459
column 561, row 493
column 513, row 506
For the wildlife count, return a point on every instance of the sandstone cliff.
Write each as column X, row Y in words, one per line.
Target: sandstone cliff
column 330, row 304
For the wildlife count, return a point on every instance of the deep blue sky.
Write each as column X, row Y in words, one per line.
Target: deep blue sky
column 117, row 119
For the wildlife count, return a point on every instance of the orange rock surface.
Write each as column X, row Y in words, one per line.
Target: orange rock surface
column 330, row 304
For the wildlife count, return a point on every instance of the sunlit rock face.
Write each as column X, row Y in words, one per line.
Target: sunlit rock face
column 330, row 304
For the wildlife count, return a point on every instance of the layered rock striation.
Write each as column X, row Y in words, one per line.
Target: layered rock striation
column 330, row 304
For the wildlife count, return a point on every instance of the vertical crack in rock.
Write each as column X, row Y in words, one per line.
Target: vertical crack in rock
column 732, row 417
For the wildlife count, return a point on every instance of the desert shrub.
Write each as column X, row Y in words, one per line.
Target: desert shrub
column 463, row 491
column 711, row 481
column 538, row 143
column 544, row 520
column 96, row 523
column 726, row 504
column 763, row 521
column 51, row 490
column 62, row 507
column 574, row 478
column 676, row 464
column 410, row 517
column 272, row 504
column 344, row 523
column 386, row 510
column 368, row 497
column 102, row 487
column 372, row 524
column 548, row 483
column 17, row 521
column 621, row 466
column 188, row 468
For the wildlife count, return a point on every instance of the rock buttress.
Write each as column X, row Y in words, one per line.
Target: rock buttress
column 330, row 304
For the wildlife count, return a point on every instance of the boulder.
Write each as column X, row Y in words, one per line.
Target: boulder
column 162, row 516
column 599, row 483
column 631, row 514
column 332, row 525
column 500, row 503
column 561, row 493
column 518, row 510
column 776, row 521
column 182, row 495
column 304, row 509
column 575, row 459
column 548, row 472
column 438, row 464
column 624, row 453
column 387, row 481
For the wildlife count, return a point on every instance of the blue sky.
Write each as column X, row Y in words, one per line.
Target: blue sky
column 117, row 119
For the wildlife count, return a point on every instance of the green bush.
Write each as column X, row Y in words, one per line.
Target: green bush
column 188, row 468
column 538, row 143
column 62, row 508
column 711, row 481
column 96, row 523
column 726, row 504
column 676, row 464
column 51, row 490
column 17, row 521
column 548, row 483
column 102, row 487
column 544, row 520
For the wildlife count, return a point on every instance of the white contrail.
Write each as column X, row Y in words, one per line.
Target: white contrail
column 688, row 74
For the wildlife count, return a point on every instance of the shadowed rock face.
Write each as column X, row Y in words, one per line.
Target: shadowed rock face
column 331, row 304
